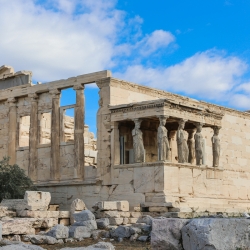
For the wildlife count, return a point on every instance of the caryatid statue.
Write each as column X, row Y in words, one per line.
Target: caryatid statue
column 216, row 147
column 191, row 145
column 138, row 142
column 182, row 143
column 199, row 144
column 162, row 139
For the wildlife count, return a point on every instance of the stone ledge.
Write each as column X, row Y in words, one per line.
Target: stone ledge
column 68, row 183
column 169, row 164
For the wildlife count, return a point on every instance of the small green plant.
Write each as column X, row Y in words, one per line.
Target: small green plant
column 13, row 181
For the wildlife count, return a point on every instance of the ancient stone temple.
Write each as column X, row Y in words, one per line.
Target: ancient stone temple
column 158, row 150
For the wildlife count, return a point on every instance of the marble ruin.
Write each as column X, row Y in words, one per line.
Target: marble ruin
column 160, row 151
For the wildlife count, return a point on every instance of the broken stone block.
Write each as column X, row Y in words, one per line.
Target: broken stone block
column 145, row 219
column 123, row 206
column 37, row 200
column 135, row 230
column 135, row 214
column 38, row 214
column 166, row 233
column 77, row 206
column 125, row 221
column 102, row 223
column 223, row 234
column 121, row 232
column 143, row 238
column 10, row 245
column 158, row 209
column 107, row 214
column 42, row 239
column 115, row 221
column 17, row 227
column 105, row 205
column 59, row 232
column 83, row 216
column 79, row 232
column 124, row 214
column 90, row 224
column 132, row 220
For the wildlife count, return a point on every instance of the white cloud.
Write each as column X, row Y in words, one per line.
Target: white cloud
column 210, row 75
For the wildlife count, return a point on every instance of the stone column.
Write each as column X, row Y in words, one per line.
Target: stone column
column 115, row 144
column 216, row 146
column 12, row 130
column 33, row 137
column 55, row 136
column 79, row 132
column 191, row 145
column 171, row 136
column 182, row 147
column 199, row 144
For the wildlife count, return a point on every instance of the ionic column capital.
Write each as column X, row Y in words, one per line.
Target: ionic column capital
column 12, row 101
column 33, row 97
column 55, row 93
column 79, row 87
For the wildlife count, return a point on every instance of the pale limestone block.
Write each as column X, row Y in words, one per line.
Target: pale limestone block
column 159, row 178
column 13, row 204
column 107, row 214
column 144, row 179
column 132, row 220
column 38, row 214
column 17, row 227
column 137, row 209
column 135, row 214
column 124, row 214
column 65, row 222
column 236, row 140
column 125, row 221
column 115, row 221
column 53, row 208
column 123, row 206
column 106, row 205
column 186, row 181
column 37, row 200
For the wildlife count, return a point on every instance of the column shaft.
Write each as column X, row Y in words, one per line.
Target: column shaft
column 79, row 132
column 115, row 144
column 33, row 136
column 12, row 130
column 55, row 136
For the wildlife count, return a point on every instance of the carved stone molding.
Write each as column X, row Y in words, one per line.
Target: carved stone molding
column 104, row 82
column 79, row 87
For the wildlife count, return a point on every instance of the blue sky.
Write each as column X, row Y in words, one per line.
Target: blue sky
column 195, row 48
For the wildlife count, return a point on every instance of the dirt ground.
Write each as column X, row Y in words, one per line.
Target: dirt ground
column 124, row 245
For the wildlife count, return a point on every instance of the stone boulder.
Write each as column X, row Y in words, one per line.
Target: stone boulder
column 37, row 200
column 79, row 232
column 77, row 206
column 20, row 246
column 42, row 239
column 121, row 232
column 216, row 234
column 147, row 219
column 59, row 232
column 98, row 246
column 17, row 226
column 83, row 216
column 90, row 224
column 166, row 233
column 102, row 223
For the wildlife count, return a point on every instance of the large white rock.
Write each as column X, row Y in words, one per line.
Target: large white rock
column 105, row 205
column 90, row 224
column 166, row 233
column 42, row 239
column 17, row 227
column 216, row 234
column 59, row 232
column 121, row 232
column 37, row 200
column 20, row 246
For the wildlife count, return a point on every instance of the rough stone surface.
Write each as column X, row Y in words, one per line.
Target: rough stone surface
column 77, row 206
column 143, row 238
column 42, row 239
column 59, row 232
column 166, row 233
column 0, row 230
column 83, row 216
column 121, row 232
column 216, row 234
column 17, row 226
column 20, row 246
column 145, row 219
column 79, row 232
column 98, row 246
column 102, row 223
column 90, row 224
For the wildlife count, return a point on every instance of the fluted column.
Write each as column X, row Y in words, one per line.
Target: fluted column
column 115, row 144
column 33, row 137
column 79, row 132
column 55, row 135
column 12, row 130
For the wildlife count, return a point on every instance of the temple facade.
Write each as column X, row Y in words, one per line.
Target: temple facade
column 160, row 151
